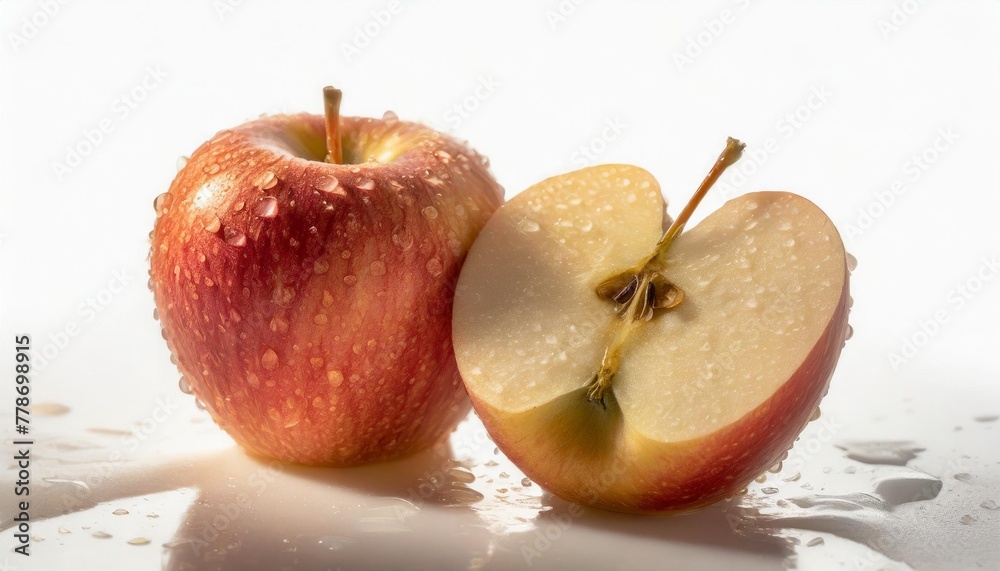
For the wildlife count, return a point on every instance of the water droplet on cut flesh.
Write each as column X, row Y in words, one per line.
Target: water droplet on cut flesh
column 528, row 226
column 267, row 207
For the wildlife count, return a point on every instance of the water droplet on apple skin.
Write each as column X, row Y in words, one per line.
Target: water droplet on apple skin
column 267, row 207
column 184, row 386
column 326, row 183
column 235, row 238
column 181, row 162
column 852, row 262
column 430, row 212
column 161, row 204
column 366, row 184
column 213, row 225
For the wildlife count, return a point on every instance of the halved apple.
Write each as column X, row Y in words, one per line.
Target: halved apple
column 636, row 372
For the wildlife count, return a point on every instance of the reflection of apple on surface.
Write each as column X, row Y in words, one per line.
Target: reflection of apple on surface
column 308, row 302
column 634, row 372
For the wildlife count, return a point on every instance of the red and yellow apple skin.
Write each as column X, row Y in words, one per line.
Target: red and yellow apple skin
column 308, row 304
column 619, row 469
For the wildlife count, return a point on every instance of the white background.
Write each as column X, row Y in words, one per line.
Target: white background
column 851, row 95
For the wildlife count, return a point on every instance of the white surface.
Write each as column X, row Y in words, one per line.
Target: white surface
column 881, row 93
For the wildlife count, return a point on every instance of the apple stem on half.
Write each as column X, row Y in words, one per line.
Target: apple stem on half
column 642, row 289
column 334, row 149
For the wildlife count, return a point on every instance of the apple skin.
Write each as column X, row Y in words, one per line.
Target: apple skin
column 618, row 469
column 312, row 320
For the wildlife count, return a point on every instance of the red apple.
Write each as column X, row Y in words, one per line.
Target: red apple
column 303, row 271
column 637, row 371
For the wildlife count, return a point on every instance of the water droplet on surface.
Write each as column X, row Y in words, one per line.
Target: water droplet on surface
column 139, row 541
column 989, row 505
column 269, row 360
column 815, row 541
column 267, row 207
column 775, row 469
column 793, row 478
column 430, row 212
column 49, row 409
column 761, row 479
column 967, row 520
column 525, row 482
column 235, row 238
column 101, row 535
column 213, row 224
column 963, row 476
column 120, row 511
column 461, row 496
column 769, row 491
column 366, row 184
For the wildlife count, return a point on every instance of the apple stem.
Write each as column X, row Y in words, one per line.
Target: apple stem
column 639, row 290
column 331, row 100
column 729, row 155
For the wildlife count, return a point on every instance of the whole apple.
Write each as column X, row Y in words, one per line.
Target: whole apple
column 303, row 269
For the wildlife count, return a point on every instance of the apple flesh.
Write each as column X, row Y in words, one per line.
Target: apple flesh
column 706, row 395
column 308, row 303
